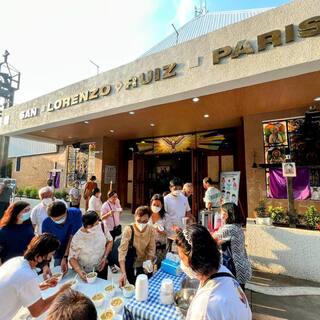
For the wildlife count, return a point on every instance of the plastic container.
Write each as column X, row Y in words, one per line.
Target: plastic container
column 170, row 267
column 166, row 292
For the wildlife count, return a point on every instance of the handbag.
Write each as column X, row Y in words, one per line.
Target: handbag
column 131, row 253
column 117, row 230
column 227, row 257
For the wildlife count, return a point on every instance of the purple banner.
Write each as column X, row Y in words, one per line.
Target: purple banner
column 278, row 184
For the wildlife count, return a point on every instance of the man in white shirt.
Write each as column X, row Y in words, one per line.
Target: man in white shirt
column 19, row 286
column 176, row 206
column 39, row 212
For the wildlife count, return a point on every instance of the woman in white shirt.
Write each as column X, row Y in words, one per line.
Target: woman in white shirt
column 219, row 295
column 95, row 202
column 157, row 221
column 90, row 247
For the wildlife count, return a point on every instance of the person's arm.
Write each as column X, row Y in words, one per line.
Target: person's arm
column 104, row 258
column 122, row 250
column 77, row 268
column 42, row 305
column 64, row 261
column 105, row 211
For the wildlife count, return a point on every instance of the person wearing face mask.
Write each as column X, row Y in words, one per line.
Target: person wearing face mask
column 231, row 238
column 39, row 212
column 176, row 207
column 95, row 202
column 63, row 223
column 157, row 221
column 15, row 230
column 90, row 247
column 19, row 286
column 137, row 246
column 110, row 215
column 219, row 295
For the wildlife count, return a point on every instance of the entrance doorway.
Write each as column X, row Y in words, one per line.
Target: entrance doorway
column 153, row 173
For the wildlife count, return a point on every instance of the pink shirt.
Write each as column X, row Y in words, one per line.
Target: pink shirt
column 111, row 222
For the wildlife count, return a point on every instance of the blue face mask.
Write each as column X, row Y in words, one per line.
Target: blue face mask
column 26, row 216
column 61, row 221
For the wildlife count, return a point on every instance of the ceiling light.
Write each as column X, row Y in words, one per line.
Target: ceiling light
column 111, row 130
column 131, row 112
column 206, row 115
column 152, row 125
column 317, row 99
column 69, row 137
column 195, row 99
column 86, row 122
column 43, row 130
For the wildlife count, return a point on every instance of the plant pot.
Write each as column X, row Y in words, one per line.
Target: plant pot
column 266, row 221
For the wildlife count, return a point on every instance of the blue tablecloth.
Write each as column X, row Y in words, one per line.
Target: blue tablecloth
column 152, row 309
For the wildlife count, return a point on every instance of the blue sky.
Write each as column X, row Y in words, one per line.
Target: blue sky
column 51, row 42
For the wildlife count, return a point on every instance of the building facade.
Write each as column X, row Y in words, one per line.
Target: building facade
column 138, row 125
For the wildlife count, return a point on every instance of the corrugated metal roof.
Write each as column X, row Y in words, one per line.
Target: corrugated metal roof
column 19, row 147
column 202, row 25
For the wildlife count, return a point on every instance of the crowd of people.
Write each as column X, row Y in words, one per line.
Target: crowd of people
column 57, row 231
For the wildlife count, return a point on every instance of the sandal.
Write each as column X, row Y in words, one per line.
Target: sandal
column 114, row 269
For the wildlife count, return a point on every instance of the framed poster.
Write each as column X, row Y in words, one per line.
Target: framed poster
column 289, row 169
column 110, row 174
column 229, row 186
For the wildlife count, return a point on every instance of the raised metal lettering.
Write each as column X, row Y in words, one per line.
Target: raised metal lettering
column 220, row 53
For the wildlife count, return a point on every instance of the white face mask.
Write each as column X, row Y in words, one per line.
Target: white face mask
column 176, row 192
column 141, row 226
column 61, row 221
column 46, row 202
column 188, row 271
column 155, row 209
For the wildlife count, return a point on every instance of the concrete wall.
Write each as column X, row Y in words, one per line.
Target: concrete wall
column 299, row 57
column 256, row 184
column 292, row 252
column 35, row 170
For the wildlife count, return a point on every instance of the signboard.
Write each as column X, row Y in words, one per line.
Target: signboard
column 110, row 174
column 289, row 169
column 229, row 186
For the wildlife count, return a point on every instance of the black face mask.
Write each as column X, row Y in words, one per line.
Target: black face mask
column 43, row 263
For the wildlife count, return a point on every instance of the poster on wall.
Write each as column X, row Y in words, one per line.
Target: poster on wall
column 275, row 133
column 110, row 174
column 289, row 169
column 229, row 186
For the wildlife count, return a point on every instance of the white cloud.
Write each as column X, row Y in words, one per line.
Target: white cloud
column 185, row 12
column 51, row 42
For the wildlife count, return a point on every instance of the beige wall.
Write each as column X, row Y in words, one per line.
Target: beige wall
column 299, row 57
column 34, row 170
column 256, row 185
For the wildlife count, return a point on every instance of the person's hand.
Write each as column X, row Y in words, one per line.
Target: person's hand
column 49, row 283
column 64, row 265
column 175, row 228
column 122, row 280
column 46, row 272
column 83, row 275
column 102, row 264
column 65, row 286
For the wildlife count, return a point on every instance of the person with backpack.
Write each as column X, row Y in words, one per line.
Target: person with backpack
column 90, row 247
column 138, row 246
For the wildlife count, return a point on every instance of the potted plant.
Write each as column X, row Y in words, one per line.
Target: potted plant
column 263, row 216
column 278, row 216
column 312, row 218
